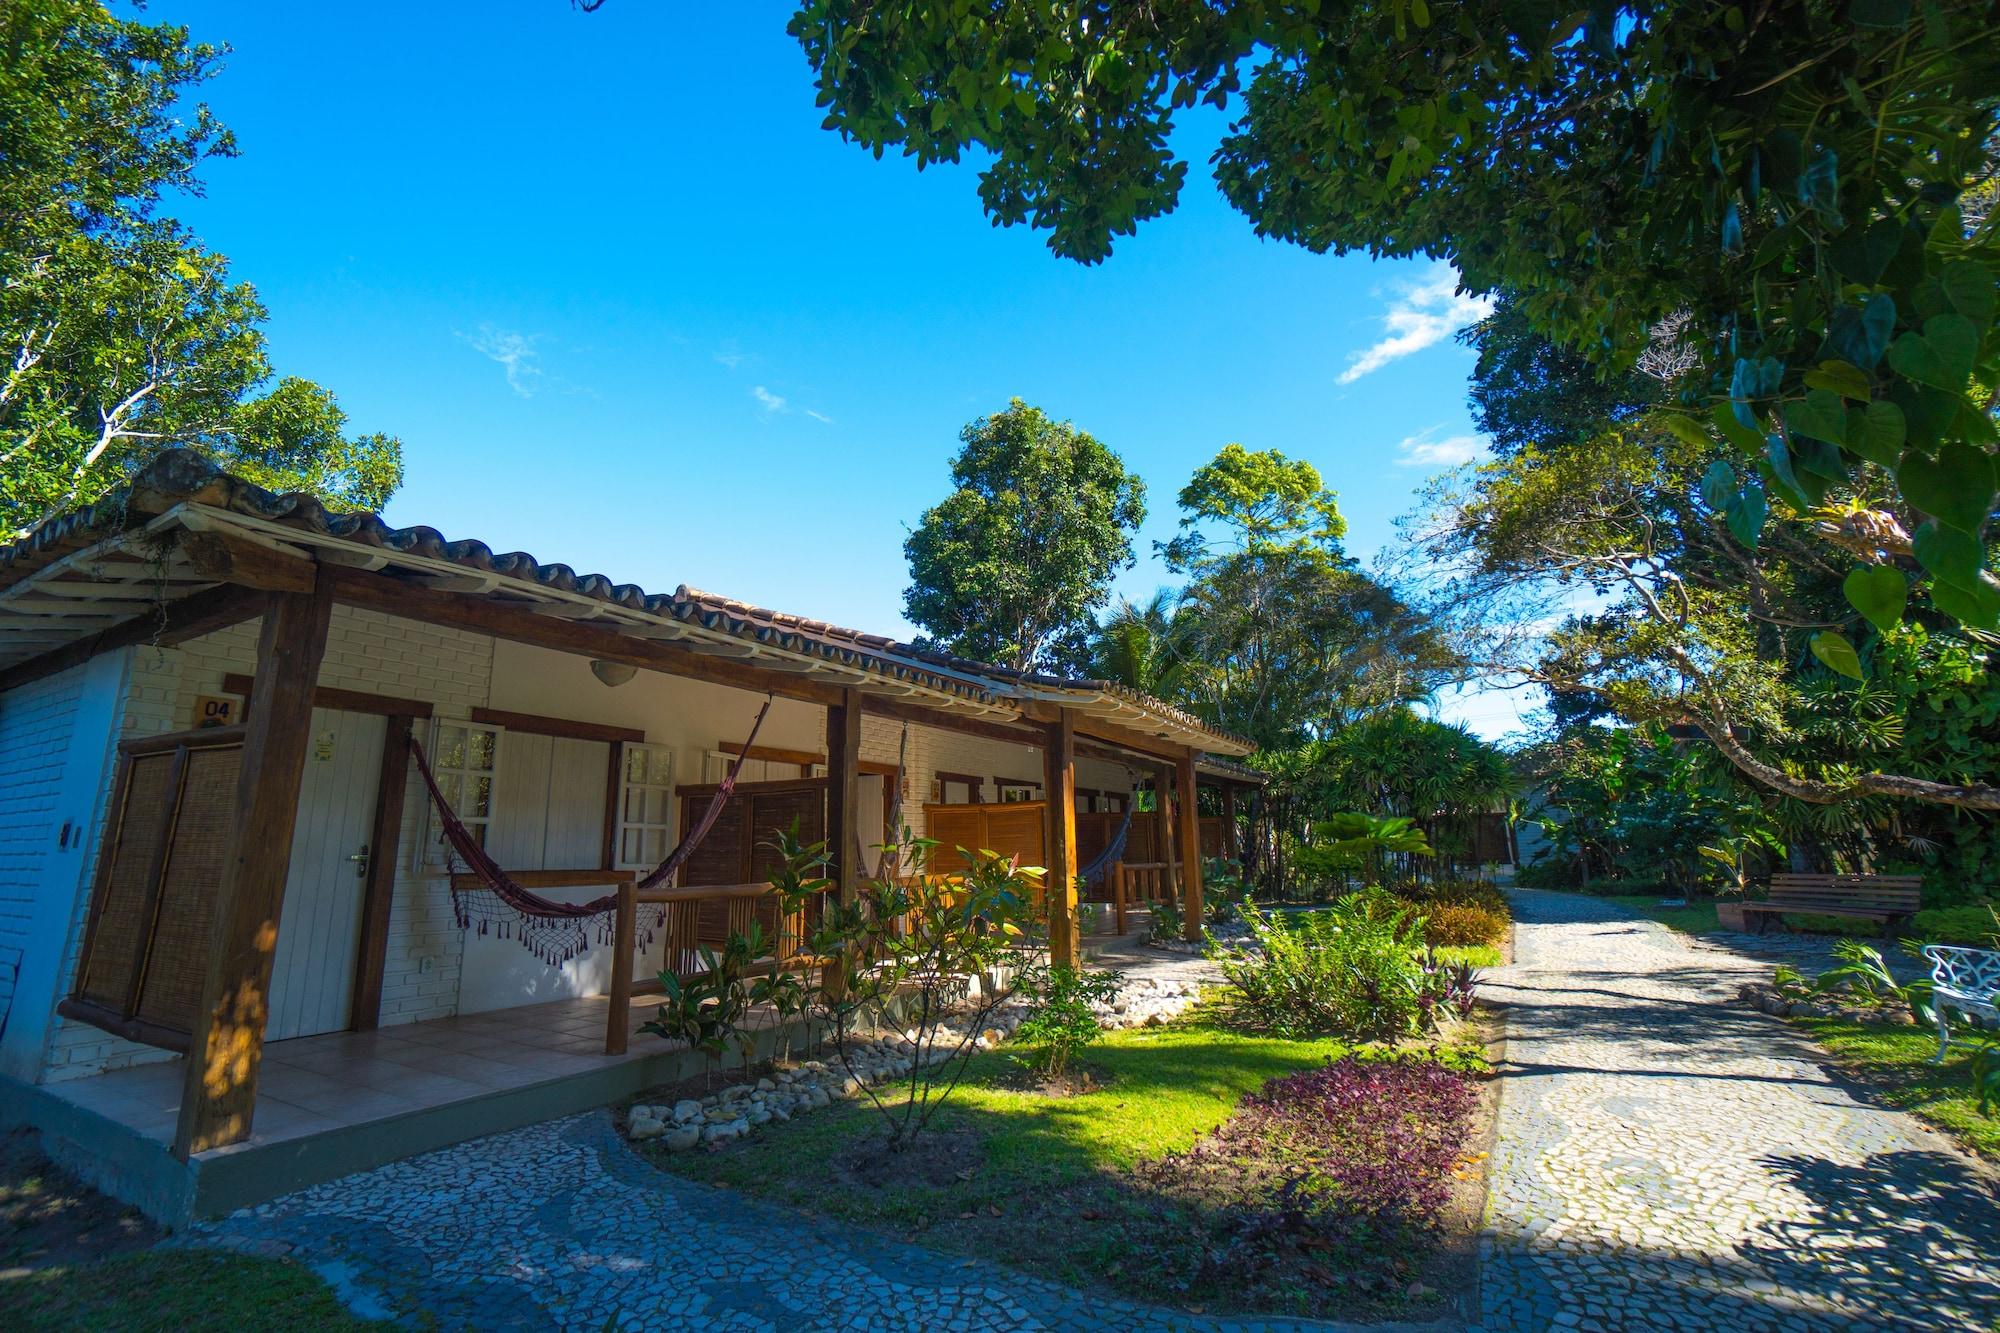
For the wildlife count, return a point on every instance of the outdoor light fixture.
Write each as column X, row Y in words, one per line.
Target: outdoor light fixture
column 613, row 674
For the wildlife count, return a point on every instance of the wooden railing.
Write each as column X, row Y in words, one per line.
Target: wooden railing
column 1136, row 882
column 696, row 915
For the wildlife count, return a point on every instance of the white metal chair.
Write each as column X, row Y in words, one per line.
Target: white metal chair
column 1967, row 980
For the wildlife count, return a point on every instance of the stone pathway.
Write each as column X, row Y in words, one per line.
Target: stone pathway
column 1670, row 1160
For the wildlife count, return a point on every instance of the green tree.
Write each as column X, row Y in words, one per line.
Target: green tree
column 1015, row 562
column 1281, row 636
column 1780, row 185
column 122, row 334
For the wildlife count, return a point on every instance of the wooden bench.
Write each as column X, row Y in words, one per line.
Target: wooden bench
column 1889, row 899
column 1967, row 980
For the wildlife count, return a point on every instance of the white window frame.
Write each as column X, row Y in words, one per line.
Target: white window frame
column 626, row 749
column 432, row 852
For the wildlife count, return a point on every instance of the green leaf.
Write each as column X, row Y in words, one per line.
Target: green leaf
column 1941, row 356
column 1956, row 487
column 1876, row 432
column 1879, row 13
column 1951, row 557
column 1978, row 606
column 1820, row 416
column 1859, row 337
column 1746, row 513
column 1718, row 484
column 1861, row 253
column 1802, row 491
column 1833, row 649
column 1839, row 377
column 1968, row 285
column 1685, row 429
column 1743, row 437
column 1878, row 592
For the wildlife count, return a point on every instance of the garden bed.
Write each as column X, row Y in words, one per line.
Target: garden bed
column 73, row 1260
column 1895, row 1061
column 1091, row 1184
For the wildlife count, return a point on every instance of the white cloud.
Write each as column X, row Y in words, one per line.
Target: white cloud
column 729, row 356
column 1424, row 312
column 514, row 352
column 1451, row 451
column 819, row 416
column 772, row 403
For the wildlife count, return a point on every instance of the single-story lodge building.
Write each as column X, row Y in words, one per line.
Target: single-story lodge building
column 237, row 955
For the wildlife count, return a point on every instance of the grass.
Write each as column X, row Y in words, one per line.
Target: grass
column 1473, row 955
column 171, row 1290
column 1697, row 918
column 1897, row 1062
column 1045, row 1183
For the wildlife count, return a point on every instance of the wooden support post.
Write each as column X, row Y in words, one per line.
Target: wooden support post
column 219, row 1095
column 1118, row 895
column 378, row 898
column 624, row 942
column 1229, row 820
column 1165, row 843
column 1190, row 848
column 843, row 793
column 1059, row 890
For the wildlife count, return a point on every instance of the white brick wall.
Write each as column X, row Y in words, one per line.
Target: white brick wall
column 454, row 672
column 447, row 668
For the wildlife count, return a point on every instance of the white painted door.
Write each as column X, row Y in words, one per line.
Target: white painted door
column 319, row 930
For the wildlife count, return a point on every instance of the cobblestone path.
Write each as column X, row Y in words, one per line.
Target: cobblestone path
column 1668, row 1161
column 561, row 1226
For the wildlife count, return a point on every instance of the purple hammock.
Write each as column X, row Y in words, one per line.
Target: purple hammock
column 553, row 931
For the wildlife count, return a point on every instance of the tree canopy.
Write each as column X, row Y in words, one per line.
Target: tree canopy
column 1794, row 190
column 122, row 333
column 1013, row 565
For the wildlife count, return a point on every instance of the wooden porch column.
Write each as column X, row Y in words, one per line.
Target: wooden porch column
column 1229, row 820
column 219, row 1096
column 843, row 793
column 378, row 898
column 1059, row 889
column 1190, row 840
column 1163, row 825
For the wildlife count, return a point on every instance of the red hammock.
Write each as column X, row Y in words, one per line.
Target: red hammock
column 555, row 931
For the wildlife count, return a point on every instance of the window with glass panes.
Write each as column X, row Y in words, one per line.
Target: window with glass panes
column 465, row 760
column 645, row 806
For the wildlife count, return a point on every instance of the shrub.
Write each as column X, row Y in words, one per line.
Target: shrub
column 1975, row 926
column 1165, row 922
column 1062, row 1019
column 1482, row 893
column 1352, row 969
column 1457, row 924
column 1382, row 1136
column 1350, row 1164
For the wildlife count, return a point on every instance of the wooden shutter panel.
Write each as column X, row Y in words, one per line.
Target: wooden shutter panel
column 146, row 950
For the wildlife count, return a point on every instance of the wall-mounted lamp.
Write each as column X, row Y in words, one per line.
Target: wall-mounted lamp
column 613, row 674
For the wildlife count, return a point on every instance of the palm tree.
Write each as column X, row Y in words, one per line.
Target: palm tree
column 1139, row 646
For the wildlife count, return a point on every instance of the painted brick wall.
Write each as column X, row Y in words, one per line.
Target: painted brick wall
column 367, row 651
column 35, row 727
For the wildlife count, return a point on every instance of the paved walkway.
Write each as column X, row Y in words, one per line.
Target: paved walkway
column 1665, row 1160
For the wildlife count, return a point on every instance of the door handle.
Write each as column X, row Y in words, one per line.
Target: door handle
column 360, row 860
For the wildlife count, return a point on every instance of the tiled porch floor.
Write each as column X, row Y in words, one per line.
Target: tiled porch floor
column 310, row 1085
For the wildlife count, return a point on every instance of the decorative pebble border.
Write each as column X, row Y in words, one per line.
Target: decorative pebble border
column 785, row 1093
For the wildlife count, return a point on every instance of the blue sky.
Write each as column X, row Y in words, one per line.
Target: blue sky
column 630, row 308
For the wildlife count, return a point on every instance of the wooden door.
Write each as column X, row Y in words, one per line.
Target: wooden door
column 319, row 933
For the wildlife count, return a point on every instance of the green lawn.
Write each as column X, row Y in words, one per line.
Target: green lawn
column 1476, row 955
column 1696, row 918
column 1043, row 1183
column 173, row 1290
column 1897, row 1062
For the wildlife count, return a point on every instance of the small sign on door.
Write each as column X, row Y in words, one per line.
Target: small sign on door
column 214, row 710
column 323, row 746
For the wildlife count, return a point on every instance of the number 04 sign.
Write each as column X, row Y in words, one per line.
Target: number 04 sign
column 214, row 710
